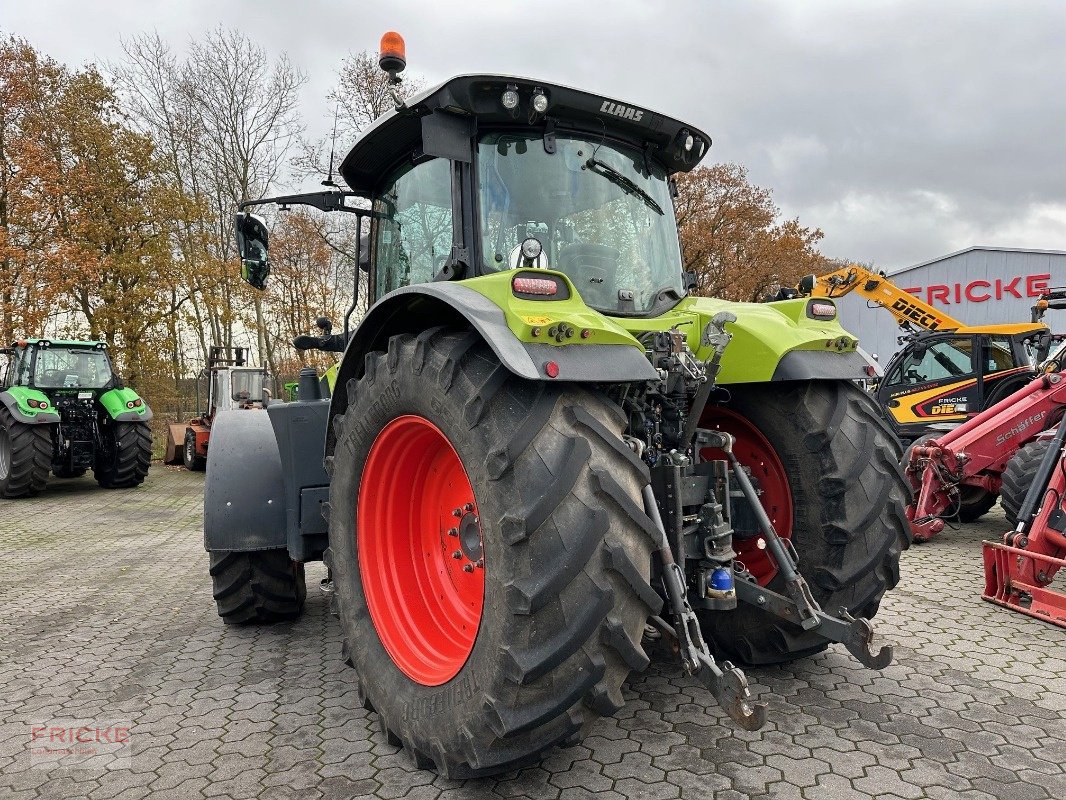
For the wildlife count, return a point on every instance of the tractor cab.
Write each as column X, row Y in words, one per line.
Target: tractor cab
column 493, row 173
column 230, row 383
column 54, row 365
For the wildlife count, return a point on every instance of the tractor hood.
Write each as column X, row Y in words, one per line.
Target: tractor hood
column 444, row 119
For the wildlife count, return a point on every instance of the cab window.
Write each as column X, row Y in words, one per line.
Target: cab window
column 998, row 354
column 413, row 238
column 934, row 361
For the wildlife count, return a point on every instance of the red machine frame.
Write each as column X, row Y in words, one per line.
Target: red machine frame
column 1018, row 570
column 977, row 452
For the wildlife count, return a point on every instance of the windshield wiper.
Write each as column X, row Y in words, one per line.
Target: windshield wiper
column 624, row 183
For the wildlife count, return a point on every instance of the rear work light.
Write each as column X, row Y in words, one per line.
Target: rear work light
column 540, row 286
column 822, row 310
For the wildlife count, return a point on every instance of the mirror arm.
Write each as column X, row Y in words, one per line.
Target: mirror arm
column 323, row 201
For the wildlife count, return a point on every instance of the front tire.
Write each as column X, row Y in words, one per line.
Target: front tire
column 257, row 587
column 25, row 456
column 828, row 465
column 124, row 462
column 549, row 495
column 1018, row 477
column 193, row 462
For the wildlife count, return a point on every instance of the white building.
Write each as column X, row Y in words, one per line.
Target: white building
column 977, row 286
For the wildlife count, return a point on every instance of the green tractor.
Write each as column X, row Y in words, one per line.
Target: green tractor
column 64, row 410
column 542, row 452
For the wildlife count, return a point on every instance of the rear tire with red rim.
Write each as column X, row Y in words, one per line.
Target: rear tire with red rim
column 444, row 459
column 826, row 464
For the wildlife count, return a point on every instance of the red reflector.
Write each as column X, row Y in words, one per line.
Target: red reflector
column 551, row 369
column 586, row 333
column 137, row 403
column 33, row 403
column 543, row 286
column 823, row 310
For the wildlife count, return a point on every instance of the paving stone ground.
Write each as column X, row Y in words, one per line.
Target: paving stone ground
column 106, row 614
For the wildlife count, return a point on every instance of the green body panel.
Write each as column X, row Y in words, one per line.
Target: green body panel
column 524, row 316
column 21, row 396
column 762, row 335
column 114, row 402
column 331, row 376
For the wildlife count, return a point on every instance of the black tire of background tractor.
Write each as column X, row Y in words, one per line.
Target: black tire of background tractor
column 127, row 465
column 257, row 586
column 568, row 550
column 849, row 524
column 974, row 502
column 28, row 456
column 1018, row 477
column 65, row 472
column 193, row 462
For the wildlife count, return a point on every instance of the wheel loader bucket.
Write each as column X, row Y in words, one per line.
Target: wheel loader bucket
column 175, row 443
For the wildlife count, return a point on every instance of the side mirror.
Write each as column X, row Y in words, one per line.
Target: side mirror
column 324, row 324
column 806, row 285
column 253, row 240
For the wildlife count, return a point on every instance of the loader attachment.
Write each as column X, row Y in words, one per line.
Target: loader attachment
column 1019, row 569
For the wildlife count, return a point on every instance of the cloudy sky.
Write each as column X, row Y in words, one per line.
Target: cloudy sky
column 904, row 129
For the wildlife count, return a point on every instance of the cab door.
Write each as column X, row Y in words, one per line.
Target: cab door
column 1005, row 368
column 933, row 380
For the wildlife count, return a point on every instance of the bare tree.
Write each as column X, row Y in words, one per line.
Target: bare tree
column 225, row 117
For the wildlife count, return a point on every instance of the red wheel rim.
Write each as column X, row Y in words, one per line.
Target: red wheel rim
column 757, row 454
column 416, row 511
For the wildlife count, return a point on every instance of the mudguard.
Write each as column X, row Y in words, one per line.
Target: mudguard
column 116, row 403
column 15, row 400
column 413, row 309
column 244, row 493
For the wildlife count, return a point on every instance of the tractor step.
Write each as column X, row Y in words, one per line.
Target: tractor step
column 1012, row 580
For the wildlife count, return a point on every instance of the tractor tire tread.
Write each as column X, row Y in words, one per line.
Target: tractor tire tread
column 31, row 456
column 1018, row 477
column 133, row 456
column 862, row 527
column 258, row 586
column 561, row 484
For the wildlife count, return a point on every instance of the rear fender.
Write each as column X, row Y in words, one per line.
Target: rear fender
column 116, row 403
column 495, row 314
column 16, row 400
column 244, row 494
column 778, row 341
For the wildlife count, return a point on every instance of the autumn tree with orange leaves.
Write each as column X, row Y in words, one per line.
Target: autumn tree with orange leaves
column 732, row 236
column 85, row 212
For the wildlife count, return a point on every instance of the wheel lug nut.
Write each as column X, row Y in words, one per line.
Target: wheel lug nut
column 481, row 563
column 453, row 531
column 457, row 512
column 468, row 507
column 468, row 567
column 457, row 554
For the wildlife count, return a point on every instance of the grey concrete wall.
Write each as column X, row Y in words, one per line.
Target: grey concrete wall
column 980, row 286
